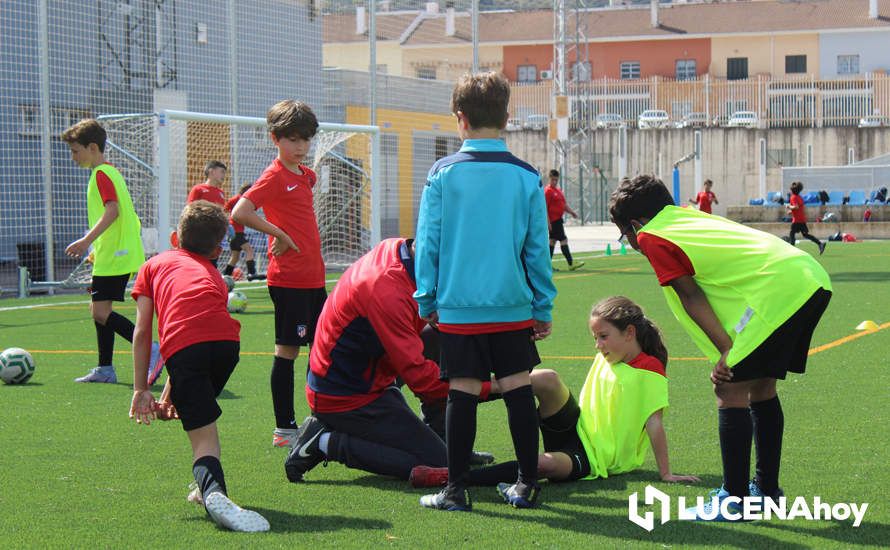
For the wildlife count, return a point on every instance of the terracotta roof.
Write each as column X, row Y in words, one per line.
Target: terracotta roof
column 676, row 20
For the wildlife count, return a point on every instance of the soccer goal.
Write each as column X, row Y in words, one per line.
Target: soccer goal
column 162, row 155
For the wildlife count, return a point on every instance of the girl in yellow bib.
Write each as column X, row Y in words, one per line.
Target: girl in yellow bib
column 617, row 416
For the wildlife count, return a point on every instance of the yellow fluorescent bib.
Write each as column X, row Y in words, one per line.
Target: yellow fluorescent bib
column 754, row 281
column 118, row 250
column 616, row 401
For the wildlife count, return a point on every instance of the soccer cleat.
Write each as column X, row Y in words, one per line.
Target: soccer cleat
column 233, row 517
column 448, row 499
column 427, row 476
column 104, row 375
column 822, row 246
column 519, row 495
column 754, row 491
column 155, row 363
column 195, row 495
column 481, row 458
column 283, row 437
column 708, row 513
column 576, row 265
column 305, row 453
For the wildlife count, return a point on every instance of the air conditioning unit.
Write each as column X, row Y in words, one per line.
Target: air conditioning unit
column 546, row 75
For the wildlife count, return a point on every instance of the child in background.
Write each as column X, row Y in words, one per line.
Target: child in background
column 201, row 342
column 296, row 270
column 239, row 243
column 705, row 197
column 749, row 301
column 619, row 415
column 798, row 212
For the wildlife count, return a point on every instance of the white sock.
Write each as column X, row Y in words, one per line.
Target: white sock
column 323, row 442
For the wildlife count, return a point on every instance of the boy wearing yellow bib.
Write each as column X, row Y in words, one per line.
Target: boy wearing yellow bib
column 750, row 302
column 617, row 417
column 115, row 235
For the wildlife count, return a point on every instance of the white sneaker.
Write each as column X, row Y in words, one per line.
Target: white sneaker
column 283, row 437
column 233, row 517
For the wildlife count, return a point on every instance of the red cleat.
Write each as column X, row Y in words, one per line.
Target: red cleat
column 426, row 476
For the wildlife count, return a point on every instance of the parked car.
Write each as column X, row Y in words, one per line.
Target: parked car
column 693, row 120
column 720, row 121
column 743, row 119
column 536, row 122
column 609, row 120
column 653, row 118
column 874, row 121
column 513, row 125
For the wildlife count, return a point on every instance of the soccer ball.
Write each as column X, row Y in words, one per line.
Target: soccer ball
column 237, row 302
column 230, row 282
column 16, row 366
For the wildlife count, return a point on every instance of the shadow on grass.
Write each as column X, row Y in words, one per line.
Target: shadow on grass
column 861, row 276
column 841, row 531
column 25, row 385
column 286, row 522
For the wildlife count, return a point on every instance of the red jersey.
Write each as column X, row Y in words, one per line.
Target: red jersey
column 230, row 204
column 799, row 214
column 190, row 299
column 556, row 202
column 106, row 187
column 368, row 334
column 704, row 200
column 648, row 362
column 286, row 200
column 666, row 258
column 206, row 192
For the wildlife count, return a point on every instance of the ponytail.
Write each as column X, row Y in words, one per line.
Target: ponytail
column 622, row 312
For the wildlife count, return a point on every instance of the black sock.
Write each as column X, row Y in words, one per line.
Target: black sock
column 812, row 238
column 522, row 417
column 251, row 267
column 229, row 269
column 105, row 341
column 460, row 432
column 282, row 381
column 566, row 252
column 551, row 250
column 121, row 325
column 208, row 473
column 735, row 447
column 489, row 476
column 769, row 423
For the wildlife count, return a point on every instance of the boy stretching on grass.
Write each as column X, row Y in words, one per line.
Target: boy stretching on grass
column 748, row 300
column 201, row 343
column 487, row 327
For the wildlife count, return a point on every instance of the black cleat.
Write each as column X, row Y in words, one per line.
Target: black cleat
column 305, row 453
column 481, row 458
column 449, row 499
column 519, row 495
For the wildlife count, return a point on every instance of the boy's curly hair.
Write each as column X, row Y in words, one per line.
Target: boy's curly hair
column 641, row 197
column 202, row 226
column 796, row 187
column 85, row 132
column 290, row 118
column 483, row 98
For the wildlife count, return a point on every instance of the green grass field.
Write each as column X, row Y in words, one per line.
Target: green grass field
column 77, row 473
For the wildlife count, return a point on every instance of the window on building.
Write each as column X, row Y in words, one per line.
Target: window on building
column 795, row 64
column 736, row 68
column 630, row 69
column 686, row 69
column 527, row 73
column 581, row 71
column 426, row 73
column 848, row 64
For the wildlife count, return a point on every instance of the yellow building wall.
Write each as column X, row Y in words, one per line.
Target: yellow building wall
column 766, row 54
column 451, row 61
column 403, row 124
column 355, row 56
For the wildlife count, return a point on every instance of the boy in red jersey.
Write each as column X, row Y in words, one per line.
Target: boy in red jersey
column 798, row 212
column 201, row 343
column 556, row 208
column 296, row 270
column 705, row 197
column 211, row 190
column 239, row 243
